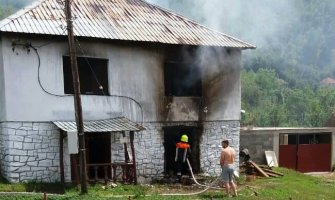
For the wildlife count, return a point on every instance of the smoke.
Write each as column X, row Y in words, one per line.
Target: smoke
column 17, row 4
column 259, row 22
column 263, row 23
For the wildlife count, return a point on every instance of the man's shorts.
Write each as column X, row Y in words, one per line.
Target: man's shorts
column 227, row 174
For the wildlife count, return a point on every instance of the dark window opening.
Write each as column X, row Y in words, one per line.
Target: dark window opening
column 312, row 138
column 93, row 75
column 182, row 79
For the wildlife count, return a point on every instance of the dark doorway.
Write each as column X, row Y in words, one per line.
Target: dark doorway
column 171, row 137
column 98, row 147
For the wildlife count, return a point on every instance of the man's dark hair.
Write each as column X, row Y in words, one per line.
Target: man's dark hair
column 225, row 142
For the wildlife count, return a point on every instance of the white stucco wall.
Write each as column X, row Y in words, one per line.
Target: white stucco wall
column 223, row 87
column 134, row 72
column 2, row 86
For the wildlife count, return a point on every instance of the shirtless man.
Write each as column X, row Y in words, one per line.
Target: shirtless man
column 227, row 162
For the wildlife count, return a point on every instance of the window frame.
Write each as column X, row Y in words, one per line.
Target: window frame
column 88, row 84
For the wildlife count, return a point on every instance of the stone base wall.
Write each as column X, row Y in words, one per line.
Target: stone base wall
column 29, row 151
column 214, row 133
column 150, row 149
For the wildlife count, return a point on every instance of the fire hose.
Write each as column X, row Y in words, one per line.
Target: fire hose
column 207, row 187
column 196, row 182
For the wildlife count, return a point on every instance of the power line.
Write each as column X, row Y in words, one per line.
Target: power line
column 98, row 82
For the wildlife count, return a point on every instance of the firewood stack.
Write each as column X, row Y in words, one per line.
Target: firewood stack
column 264, row 171
column 252, row 169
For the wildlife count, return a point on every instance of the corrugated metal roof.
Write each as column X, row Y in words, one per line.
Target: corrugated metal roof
column 131, row 20
column 109, row 125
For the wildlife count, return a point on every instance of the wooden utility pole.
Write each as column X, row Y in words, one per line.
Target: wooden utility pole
column 77, row 99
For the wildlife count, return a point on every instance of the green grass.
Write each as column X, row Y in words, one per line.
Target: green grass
column 292, row 185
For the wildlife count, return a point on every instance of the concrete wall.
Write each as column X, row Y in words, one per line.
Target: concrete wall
column 257, row 143
column 258, row 140
column 2, row 87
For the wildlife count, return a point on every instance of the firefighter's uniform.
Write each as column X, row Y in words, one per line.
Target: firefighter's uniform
column 183, row 150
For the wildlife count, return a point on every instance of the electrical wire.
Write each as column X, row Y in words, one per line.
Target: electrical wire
column 38, row 75
column 89, row 64
column 35, row 48
column 99, row 84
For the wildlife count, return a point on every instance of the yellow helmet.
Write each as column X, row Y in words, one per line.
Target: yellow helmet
column 184, row 138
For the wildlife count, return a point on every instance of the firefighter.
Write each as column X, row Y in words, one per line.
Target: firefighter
column 183, row 151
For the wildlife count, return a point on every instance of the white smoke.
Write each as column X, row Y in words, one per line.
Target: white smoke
column 259, row 22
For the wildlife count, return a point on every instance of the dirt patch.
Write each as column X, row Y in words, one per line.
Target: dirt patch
column 327, row 175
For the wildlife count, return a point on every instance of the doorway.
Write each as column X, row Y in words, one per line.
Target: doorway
column 171, row 137
column 98, row 147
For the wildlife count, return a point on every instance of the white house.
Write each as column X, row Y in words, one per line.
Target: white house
column 139, row 65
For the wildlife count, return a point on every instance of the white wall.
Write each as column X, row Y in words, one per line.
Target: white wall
column 135, row 72
column 2, row 87
column 223, row 87
column 26, row 101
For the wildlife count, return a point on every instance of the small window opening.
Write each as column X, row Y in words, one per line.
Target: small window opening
column 93, row 75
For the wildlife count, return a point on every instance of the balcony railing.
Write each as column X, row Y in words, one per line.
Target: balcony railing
column 115, row 172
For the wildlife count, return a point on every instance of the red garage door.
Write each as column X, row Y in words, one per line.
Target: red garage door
column 306, row 152
column 314, row 157
column 288, row 156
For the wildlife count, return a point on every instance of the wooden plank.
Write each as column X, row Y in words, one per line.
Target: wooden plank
column 259, row 169
column 131, row 134
column 273, row 172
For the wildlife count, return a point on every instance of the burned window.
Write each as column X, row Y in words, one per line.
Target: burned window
column 182, row 79
column 93, row 75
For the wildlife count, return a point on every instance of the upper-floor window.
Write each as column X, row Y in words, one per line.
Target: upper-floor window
column 93, row 75
column 182, row 79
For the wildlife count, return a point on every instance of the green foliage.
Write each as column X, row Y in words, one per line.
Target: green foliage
column 301, row 57
column 7, row 7
column 269, row 101
column 17, row 4
column 5, row 11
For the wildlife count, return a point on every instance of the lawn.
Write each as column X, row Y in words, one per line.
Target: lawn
column 292, row 185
